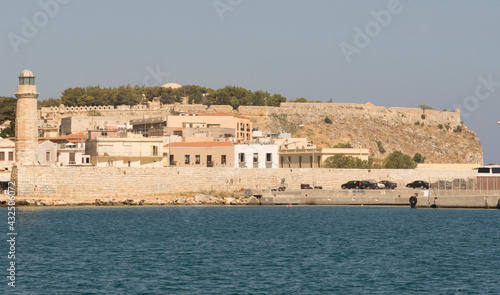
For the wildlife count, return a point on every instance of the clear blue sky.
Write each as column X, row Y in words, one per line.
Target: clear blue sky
column 428, row 52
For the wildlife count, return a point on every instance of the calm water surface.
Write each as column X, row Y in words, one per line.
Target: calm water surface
column 255, row 250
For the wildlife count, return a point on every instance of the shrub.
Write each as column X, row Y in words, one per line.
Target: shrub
column 423, row 116
column 440, row 126
column 380, row 147
column 417, row 123
column 343, row 145
column 458, row 129
column 398, row 160
column 343, row 161
column 328, row 120
column 418, row 158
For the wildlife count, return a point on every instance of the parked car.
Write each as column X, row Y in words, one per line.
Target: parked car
column 459, row 183
column 357, row 184
column 388, row 184
column 418, row 184
column 442, row 184
column 370, row 184
column 305, row 186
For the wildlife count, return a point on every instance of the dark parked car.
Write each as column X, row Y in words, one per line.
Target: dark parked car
column 357, row 184
column 418, row 184
column 389, row 184
column 370, row 184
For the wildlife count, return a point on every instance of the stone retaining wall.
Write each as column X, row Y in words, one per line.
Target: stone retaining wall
column 110, row 182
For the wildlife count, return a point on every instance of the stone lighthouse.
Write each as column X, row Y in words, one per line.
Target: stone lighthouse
column 26, row 120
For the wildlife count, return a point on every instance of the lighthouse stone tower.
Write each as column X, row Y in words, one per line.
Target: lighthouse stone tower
column 26, row 120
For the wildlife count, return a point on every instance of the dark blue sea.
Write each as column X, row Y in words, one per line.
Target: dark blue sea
column 254, row 250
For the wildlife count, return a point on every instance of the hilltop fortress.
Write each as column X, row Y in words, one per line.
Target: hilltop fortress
column 440, row 136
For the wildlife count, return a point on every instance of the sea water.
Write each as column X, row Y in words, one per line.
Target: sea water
column 254, row 250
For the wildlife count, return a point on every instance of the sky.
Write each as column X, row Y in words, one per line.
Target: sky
column 441, row 53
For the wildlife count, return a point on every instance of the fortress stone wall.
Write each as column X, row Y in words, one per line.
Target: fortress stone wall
column 89, row 183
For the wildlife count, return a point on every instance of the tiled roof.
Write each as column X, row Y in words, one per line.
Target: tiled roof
column 201, row 144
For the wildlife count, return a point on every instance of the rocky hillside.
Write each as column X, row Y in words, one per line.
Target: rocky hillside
column 440, row 136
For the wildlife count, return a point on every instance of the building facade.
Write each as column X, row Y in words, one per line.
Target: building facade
column 201, row 154
column 256, row 156
column 125, row 152
column 7, row 151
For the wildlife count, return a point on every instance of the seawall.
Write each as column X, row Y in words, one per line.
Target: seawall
column 81, row 183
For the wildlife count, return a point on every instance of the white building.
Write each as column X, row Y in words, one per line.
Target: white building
column 256, row 156
column 7, row 148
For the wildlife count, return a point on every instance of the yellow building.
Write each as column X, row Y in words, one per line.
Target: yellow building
column 125, row 152
column 242, row 125
column 314, row 157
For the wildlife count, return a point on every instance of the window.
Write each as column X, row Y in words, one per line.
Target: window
column 155, row 150
column 47, row 156
column 197, row 159
column 289, row 162
column 255, row 158
column 223, row 159
column 300, row 161
column 319, row 161
column 311, row 161
column 483, row 170
column 171, row 159
column 72, row 158
column 495, row 170
column 2, row 156
column 241, row 157
column 282, row 163
column 269, row 157
column 186, row 159
column 11, row 156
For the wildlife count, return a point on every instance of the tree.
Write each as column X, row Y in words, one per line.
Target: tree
column 8, row 113
column 425, row 107
column 346, row 162
column 418, row 158
column 398, row 160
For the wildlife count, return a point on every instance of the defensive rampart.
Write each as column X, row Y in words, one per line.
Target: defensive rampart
column 87, row 183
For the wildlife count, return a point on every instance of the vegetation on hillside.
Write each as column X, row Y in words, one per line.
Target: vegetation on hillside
column 127, row 95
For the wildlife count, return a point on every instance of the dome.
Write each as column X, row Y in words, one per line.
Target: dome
column 26, row 74
column 172, row 85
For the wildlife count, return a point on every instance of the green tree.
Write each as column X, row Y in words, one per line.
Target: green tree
column 8, row 113
column 346, row 162
column 425, row 107
column 398, row 160
column 51, row 102
column 418, row 158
